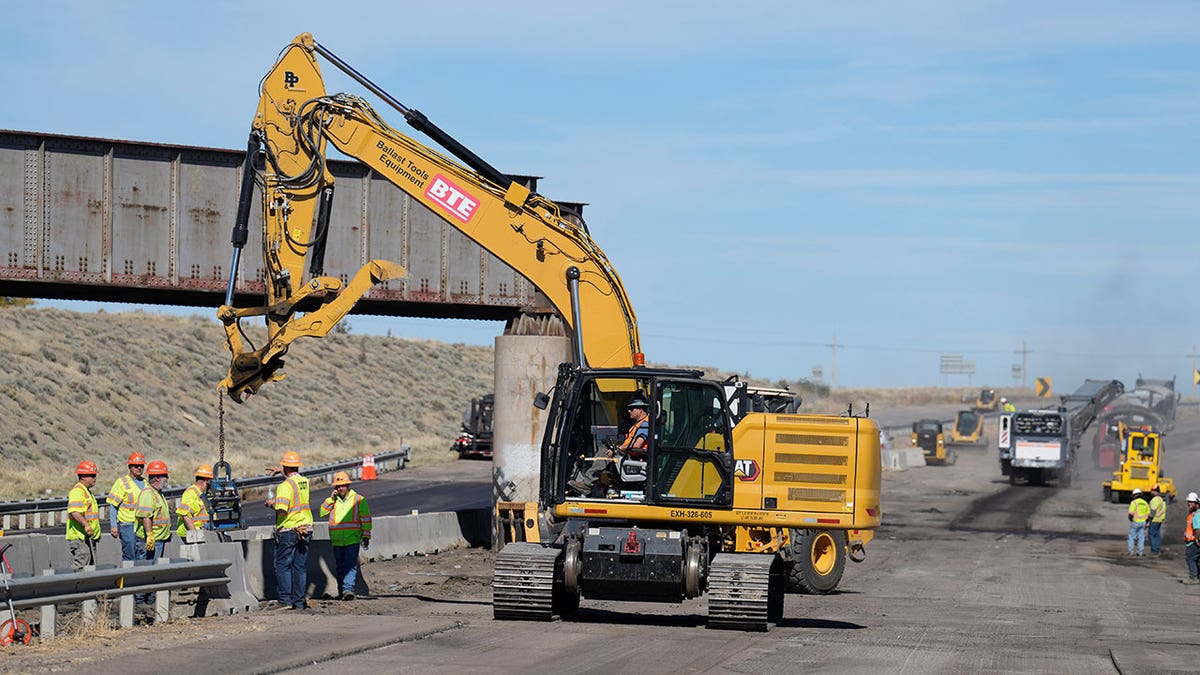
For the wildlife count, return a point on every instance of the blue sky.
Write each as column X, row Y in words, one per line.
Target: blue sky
column 913, row 179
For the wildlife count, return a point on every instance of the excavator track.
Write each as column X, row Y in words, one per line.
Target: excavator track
column 745, row 591
column 523, row 582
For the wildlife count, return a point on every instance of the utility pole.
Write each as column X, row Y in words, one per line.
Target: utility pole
column 1024, row 362
column 833, row 365
column 1193, row 355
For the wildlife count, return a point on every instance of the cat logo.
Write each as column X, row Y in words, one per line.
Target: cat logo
column 746, row 470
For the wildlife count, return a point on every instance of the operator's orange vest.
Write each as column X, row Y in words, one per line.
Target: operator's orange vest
column 1189, row 535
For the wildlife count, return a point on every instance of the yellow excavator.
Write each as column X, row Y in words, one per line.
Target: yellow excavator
column 724, row 498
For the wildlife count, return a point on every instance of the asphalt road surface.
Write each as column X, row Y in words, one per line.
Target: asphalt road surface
column 966, row 574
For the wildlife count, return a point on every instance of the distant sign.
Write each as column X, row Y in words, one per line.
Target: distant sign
column 1043, row 387
column 954, row 364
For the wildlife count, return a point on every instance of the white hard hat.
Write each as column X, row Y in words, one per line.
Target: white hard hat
column 1137, row 491
column 1192, row 497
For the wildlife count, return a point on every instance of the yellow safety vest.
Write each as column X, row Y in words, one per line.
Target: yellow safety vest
column 81, row 500
column 191, row 504
column 291, row 502
column 152, row 505
column 1158, row 509
column 124, row 497
column 349, row 519
column 1140, row 510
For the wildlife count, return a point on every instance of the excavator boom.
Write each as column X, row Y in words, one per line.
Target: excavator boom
column 297, row 120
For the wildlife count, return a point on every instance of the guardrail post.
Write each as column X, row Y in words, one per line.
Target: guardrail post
column 7, row 523
column 162, row 599
column 37, row 520
column 21, row 521
column 49, row 614
column 87, row 612
column 125, row 603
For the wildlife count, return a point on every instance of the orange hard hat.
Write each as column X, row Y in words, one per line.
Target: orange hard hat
column 137, row 458
column 204, row 471
column 86, row 468
column 290, row 458
column 157, row 468
column 341, row 478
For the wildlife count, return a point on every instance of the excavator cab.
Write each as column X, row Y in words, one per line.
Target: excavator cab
column 688, row 458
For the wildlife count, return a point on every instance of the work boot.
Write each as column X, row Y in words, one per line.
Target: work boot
column 347, row 596
column 1190, row 581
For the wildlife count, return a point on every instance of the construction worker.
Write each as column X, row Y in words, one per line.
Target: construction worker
column 1139, row 513
column 1158, row 515
column 83, row 517
column 1008, row 407
column 153, row 527
column 293, row 529
column 122, row 502
column 349, row 526
column 193, row 510
column 636, row 440
column 1189, row 538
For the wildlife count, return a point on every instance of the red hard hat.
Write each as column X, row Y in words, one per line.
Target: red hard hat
column 204, row 471
column 290, row 458
column 86, row 468
column 157, row 468
column 137, row 458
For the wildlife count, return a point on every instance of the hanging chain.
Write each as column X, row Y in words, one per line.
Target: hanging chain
column 221, row 424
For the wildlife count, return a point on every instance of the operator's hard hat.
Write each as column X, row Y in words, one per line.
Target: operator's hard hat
column 204, row 471
column 638, row 401
column 137, row 459
column 290, row 458
column 1003, row 400
column 1192, row 497
column 86, row 468
column 341, row 478
column 1137, row 491
column 157, row 468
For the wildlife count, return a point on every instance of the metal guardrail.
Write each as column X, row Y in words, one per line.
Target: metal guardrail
column 174, row 491
column 53, row 589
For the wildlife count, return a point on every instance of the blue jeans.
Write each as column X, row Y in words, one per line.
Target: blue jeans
column 1193, row 560
column 143, row 554
column 129, row 542
column 346, row 559
column 291, row 568
column 1137, row 531
column 1154, row 534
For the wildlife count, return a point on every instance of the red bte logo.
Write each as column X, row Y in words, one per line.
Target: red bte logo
column 746, row 470
column 452, row 198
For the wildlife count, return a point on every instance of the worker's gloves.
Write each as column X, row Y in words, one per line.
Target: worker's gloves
column 366, row 542
column 149, row 542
